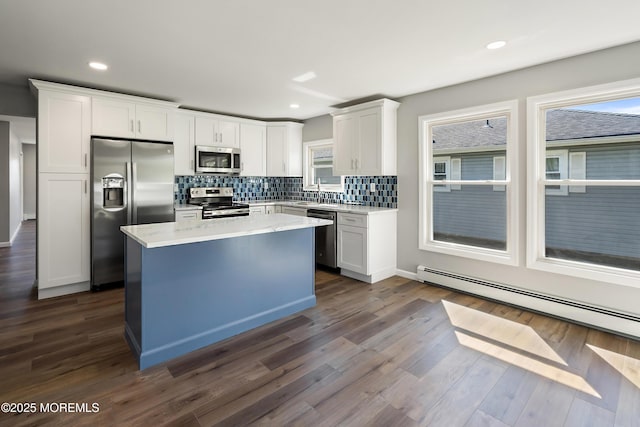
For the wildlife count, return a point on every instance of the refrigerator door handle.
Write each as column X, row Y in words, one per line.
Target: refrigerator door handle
column 129, row 190
column 134, row 179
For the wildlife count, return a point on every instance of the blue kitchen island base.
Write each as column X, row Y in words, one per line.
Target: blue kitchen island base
column 183, row 297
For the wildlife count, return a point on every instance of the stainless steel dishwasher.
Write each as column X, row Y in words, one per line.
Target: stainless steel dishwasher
column 326, row 238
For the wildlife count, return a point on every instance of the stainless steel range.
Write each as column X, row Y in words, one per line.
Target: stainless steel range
column 217, row 202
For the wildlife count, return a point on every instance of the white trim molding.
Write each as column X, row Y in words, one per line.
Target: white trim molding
column 537, row 107
column 426, row 241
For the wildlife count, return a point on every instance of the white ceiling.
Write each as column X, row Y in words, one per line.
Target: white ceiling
column 239, row 56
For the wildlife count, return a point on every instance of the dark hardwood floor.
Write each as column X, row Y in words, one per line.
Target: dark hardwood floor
column 396, row 353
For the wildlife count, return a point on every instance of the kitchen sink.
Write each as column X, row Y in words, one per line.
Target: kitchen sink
column 304, row 203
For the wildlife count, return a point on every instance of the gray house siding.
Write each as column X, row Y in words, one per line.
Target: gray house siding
column 583, row 222
column 586, row 221
column 475, row 212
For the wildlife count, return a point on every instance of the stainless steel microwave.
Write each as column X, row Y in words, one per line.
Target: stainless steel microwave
column 217, row 160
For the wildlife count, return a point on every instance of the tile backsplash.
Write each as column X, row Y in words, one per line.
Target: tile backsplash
column 259, row 188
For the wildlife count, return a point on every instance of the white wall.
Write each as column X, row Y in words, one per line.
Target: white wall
column 15, row 184
column 29, row 181
column 610, row 65
column 10, row 181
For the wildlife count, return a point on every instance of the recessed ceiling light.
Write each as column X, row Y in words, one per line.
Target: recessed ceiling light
column 309, row 75
column 294, row 106
column 98, row 66
column 496, row 45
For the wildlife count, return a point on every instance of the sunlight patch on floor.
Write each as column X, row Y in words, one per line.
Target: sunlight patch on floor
column 551, row 372
column 505, row 331
column 627, row 366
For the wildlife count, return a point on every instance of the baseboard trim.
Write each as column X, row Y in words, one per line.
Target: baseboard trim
column 595, row 317
column 373, row 278
column 57, row 291
column 10, row 242
column 406, row 274
column 27, row 217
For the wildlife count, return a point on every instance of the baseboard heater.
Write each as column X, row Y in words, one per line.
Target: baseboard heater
column 613, row 321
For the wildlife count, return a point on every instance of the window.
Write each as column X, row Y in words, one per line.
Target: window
column 556, row 169
column 589, row 140
column 318, row 167
column 464, row 156
column 441, row 166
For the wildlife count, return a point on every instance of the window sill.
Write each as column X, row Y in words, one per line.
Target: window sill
column 477, row 253
column 618, row 276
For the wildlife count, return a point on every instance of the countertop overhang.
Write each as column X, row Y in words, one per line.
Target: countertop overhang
column 180, row 233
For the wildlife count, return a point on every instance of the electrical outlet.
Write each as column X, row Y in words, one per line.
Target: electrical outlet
column 266, row 185
column 372, row 187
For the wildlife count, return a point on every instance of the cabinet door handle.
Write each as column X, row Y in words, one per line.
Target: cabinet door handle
column 131, row 125
column 352, row 164
column 356, row 164
column 284, row 167
column 241, row 166
column 85, row 186
column 139, row 126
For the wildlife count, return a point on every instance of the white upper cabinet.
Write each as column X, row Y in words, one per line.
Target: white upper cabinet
column 64, row 132
column 127, row 119
column 184, row 143
column 253, row 149
column 284, row 149
column 215, row 131
column 365, row 139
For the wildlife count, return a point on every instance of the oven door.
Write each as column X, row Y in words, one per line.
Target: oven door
column 215, row 214
column 217, row 160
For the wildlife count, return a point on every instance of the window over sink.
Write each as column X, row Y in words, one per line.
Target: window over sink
column 318, row 167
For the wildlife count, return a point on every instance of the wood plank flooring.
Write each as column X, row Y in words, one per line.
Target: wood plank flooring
column 396, row 353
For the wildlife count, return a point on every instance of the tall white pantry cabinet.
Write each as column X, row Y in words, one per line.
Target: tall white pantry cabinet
column 64, row 129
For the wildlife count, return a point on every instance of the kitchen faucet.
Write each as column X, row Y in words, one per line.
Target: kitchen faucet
column 318, row 196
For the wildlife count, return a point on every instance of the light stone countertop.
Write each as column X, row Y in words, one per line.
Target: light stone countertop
column 180, row 233
column 336, row 207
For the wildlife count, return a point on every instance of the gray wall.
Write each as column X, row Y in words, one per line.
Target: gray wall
column 29, row 180
column 4, row 183
column 17, row 101
column 10, row 180
column 600, row 67
column 318, row 128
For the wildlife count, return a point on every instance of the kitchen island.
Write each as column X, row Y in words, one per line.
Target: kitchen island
column 194, row 283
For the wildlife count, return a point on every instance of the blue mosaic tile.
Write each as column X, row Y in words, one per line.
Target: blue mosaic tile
column 246, row 189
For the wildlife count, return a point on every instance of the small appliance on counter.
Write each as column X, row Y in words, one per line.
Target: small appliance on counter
column 132, row 183
column 216, row 202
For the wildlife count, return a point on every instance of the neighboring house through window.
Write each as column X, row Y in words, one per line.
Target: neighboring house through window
column 318, row 167
column 590, row 139
column 464, row 156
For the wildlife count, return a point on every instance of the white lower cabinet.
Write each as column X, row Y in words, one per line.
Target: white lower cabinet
column 367, row 245
column 272, row 209
column 63, row 231
column 352, row 248
column 294, row 211
column 188, row 215
column 257, row 210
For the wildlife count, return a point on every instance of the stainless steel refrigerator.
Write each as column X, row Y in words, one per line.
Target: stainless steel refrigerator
column 132, row 183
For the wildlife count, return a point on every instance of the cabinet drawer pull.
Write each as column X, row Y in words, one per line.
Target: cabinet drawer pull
column 350, row 219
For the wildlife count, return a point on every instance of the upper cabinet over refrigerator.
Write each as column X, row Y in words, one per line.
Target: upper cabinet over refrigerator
column 119, row 118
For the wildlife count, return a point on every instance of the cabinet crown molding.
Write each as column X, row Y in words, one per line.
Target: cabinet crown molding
column 78, row 90
column 383, row 102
